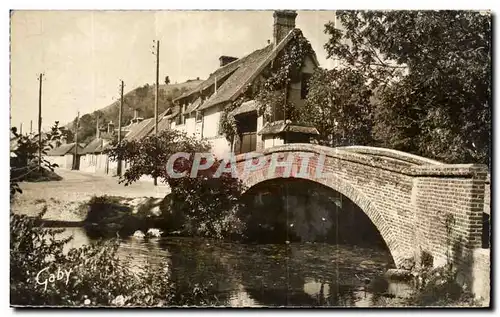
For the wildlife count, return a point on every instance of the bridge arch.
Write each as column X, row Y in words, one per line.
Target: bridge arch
column 404, row 195
column 343, row 187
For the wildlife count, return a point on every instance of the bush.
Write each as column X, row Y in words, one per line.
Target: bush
column 98, row 277
column 439, row 287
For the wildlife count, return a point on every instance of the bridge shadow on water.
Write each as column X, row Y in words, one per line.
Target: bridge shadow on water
column 303, row 211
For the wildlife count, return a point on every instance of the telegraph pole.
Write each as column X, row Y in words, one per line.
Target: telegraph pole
column 75, row 155
column 155, row 181
column 156, row 87
column 40, row 78
column 119, row 168
column 97, row 134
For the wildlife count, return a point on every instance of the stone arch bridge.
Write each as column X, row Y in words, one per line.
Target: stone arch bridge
column 417, row 204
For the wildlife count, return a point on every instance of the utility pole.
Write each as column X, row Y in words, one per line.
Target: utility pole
column 40, row 78
column 119, row 168
column 155, row 181
column 75, row 155
column 31, row 126
column 97, row 134
column 156, row 87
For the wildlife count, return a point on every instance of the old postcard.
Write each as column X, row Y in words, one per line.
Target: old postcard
column 278, row 158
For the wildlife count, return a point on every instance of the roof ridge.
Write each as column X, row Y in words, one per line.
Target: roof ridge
column 274, row 51
column 238, row 61
column 271, row 55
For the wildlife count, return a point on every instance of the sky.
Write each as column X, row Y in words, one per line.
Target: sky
column 84, row 54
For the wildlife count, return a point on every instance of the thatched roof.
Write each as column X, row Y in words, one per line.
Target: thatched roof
column 65, row 149
column 146, row 127
column 237, row 75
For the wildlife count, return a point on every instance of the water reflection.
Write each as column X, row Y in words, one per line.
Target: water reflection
column 298, row 274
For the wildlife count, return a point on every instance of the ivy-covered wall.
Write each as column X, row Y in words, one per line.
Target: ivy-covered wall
column 277, row 89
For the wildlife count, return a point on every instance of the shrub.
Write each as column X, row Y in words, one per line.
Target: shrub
column 439, row 287
column 205, row 204
column 98, row 277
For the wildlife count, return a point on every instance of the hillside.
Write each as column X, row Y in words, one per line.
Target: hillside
column 140, row 98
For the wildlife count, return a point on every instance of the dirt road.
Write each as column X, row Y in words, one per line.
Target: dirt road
column 64, row 198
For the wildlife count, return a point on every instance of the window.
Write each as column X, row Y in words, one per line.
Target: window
column 304, row 86
column 199, row 116
column 248, row 142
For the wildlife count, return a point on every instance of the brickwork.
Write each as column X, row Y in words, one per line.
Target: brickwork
column 448, row 212
column 408, row 198
column 487, row 196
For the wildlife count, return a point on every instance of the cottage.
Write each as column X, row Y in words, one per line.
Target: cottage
column 239, row 79
column 93, row 158
column 64, row 156
column 140, row 128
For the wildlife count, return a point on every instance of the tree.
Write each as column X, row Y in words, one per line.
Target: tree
column 431, row 71
column 338, row 105
column 167, row 80
column 24, row 156
column 205, row 202
column 67, row 135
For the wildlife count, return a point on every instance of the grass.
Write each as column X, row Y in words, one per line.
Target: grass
column 44, row 175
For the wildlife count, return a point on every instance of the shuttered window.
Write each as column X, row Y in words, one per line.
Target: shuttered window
column 248, row 142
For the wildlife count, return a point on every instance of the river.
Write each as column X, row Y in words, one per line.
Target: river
column 295, row 274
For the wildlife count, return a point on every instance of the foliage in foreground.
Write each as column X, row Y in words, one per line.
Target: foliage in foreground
column 98, row 277
column 438, row 287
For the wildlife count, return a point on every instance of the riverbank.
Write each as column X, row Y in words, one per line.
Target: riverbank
column 67, row 199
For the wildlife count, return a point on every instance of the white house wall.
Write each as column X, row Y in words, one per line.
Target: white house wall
column 198, row 129
column 86, row 163
column 308, row 66
column 211, row 118
column 190, row 126
column 68, row 161
column 270, row 141
column 97, row 163
column 59, row 160
column 178, row 127
column 220, row 146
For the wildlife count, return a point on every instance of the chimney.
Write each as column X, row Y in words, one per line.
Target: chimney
column 224, row 60
column 284, row 22
column 111, row 127
column 136, row 113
